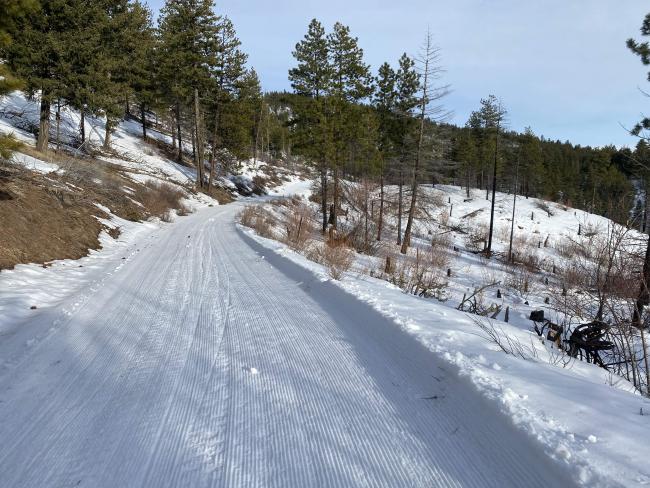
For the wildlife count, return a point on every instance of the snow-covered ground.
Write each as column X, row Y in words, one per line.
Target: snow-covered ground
column 139, row 160
column 585, row 418
column 205, row 361
column 596, row 430
column 196, row 354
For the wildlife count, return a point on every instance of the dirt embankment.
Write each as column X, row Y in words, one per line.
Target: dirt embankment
column 55, row 216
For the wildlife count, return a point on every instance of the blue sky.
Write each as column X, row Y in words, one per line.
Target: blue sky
column 560, row 66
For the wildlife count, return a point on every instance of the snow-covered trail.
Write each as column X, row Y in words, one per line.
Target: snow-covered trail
column 209, row 361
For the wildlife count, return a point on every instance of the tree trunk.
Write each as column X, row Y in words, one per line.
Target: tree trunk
column 365, row 210
column 645, row 211
column 44, row 125
column 323, row 190
column 335, row 197
column 198, row 157
column 418, row 154
column 514, row 203
column 416, row 168
column 645, row 363
column 494, row 190
column 172, row 117
column 643, row 297
column 179, row 156
column 406, row 242
column 399, row 207
column 107, row 135
column 58, row 125
column 213, row 153
column 82, row 126
column 257, row 136
column 381, row 204
column 143, row 118
column 128, row 107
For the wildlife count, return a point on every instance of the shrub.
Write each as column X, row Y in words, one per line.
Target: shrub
column 476, row 238
column 419, row 276
column 159, row 197
column 259, row 219
column 520, row 279
column 299, row 226
column 337, row 259
column 542, row 205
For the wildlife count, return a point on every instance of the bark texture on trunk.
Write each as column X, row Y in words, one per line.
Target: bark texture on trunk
column 335, row 198
column 644, row 294
column 143, row 118
column 198, row 137
column 494, row 191
column 215, row 138
column 323, row 189
column 179, row 133
column 82, row 126
column 107, row 135
column 399, row 207
column 43, row 125
column 381, row 205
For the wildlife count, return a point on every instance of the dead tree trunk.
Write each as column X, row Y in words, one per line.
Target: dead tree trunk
column 418, row 156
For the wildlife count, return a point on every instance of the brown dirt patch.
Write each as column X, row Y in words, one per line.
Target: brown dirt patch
column 41, row 222
column 49, row 217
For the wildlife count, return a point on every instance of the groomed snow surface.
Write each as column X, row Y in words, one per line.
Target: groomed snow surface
column 588, row 420
column 204, row 360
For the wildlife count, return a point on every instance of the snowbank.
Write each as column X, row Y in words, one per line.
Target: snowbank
column 583, row 417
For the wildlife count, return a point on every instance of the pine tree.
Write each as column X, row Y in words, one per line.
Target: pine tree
column 312, row 76
column 642, row 49
column 225, row 76
column 13, row 11
column 310, row 79
column 492, row 115
column 350, row 83
column 531, row 159
column 45, row 46
column 143, row 75
column 126, row 62
column 465, row 153
column 384, row 103
column 407, row 85
column 188, row 31
column 240, row 115
column 88, row 81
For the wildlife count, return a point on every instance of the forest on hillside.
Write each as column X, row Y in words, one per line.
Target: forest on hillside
column 185, row 73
